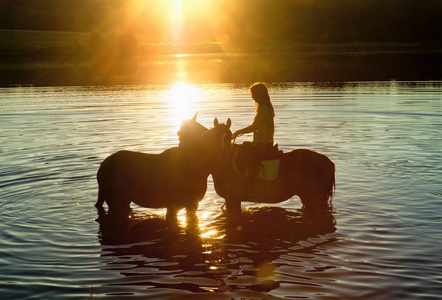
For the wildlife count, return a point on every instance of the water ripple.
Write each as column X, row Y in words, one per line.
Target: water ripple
column 382, row 240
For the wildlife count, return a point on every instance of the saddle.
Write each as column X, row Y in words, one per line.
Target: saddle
column 249, row 163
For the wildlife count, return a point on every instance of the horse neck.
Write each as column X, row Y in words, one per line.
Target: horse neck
column 203, row 153
column 222, row 169
column 207, row 146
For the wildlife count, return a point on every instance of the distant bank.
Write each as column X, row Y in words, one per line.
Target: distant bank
column 45, row 58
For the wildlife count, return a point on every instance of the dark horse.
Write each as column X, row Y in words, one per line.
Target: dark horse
column 173, row 179
column 302, row 172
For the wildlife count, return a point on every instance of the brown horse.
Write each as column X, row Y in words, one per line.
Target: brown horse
column 302, row 172
column 173, row 179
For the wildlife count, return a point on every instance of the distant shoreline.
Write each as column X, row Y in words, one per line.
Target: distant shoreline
column 41, row 58
column 323, row 67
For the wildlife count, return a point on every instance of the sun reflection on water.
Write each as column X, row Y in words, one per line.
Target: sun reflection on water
column 210, row 233
column 183, row 97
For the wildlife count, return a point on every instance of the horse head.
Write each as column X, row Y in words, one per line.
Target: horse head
column 190, row 130
column 225, row 136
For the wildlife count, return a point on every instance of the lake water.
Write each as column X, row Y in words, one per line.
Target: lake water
column 383, row 242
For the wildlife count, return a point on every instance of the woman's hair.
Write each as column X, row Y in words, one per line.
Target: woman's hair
column 260, row 94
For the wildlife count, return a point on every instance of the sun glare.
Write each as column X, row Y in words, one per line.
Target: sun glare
column 178, row 4
column 182, row 97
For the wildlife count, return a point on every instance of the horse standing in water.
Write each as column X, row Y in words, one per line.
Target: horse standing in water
column 302, row 172
column 173, row 179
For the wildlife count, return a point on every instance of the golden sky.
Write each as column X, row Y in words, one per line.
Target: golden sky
column 179, row 20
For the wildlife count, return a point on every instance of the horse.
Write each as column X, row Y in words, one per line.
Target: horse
column 302, row 172
column 173, row 179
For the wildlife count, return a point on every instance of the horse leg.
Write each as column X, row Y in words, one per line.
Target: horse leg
column 119, row 206
column 100, row 201
column 233, row 206
column 191, row 210
column 172, row 220
column 171, row 214
column 315, row 202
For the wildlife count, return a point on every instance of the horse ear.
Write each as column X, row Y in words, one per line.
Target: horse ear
column 194, row 117
column 215, row 122
column 229, row 123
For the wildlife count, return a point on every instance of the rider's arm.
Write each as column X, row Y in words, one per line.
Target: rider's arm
column 251, row 128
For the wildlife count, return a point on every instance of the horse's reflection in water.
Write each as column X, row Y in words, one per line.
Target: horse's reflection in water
column 259, row 225
column 156, row 236
column 241, row 252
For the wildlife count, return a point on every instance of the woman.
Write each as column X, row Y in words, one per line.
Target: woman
column 262, row 126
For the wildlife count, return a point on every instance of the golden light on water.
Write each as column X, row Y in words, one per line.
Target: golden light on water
column 209, row 234
column 183, row 97
column 181, row 218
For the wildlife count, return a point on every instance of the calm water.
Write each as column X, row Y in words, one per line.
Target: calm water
column 384, row 241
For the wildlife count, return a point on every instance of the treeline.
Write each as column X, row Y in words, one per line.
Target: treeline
column 302, row 22
column 242, row 24
column 146, row 17
column 56, row 15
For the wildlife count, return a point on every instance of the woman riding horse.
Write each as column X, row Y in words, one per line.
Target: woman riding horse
column 262, row 127
column 302, row 172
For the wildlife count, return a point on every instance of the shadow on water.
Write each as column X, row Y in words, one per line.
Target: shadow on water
column 148, row 252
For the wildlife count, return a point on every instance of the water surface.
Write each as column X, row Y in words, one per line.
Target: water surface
column 382, row 242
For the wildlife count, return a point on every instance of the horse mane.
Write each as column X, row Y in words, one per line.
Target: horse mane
column 206, row 137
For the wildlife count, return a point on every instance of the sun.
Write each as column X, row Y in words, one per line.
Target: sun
column 183, row 97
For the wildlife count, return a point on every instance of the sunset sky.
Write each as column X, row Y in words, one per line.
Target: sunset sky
column 105, row 34
column 242, row 23
column 178, row 20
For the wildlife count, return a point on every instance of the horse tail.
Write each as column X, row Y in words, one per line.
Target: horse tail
column 104, row 181
column 327, row 170
column 316, row 172
column 100, row 200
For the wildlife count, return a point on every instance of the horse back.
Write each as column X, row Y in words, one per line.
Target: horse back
column 172, row 165
column 308, row 161
column 129, row 165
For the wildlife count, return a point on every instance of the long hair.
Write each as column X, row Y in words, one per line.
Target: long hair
column 260, row 94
